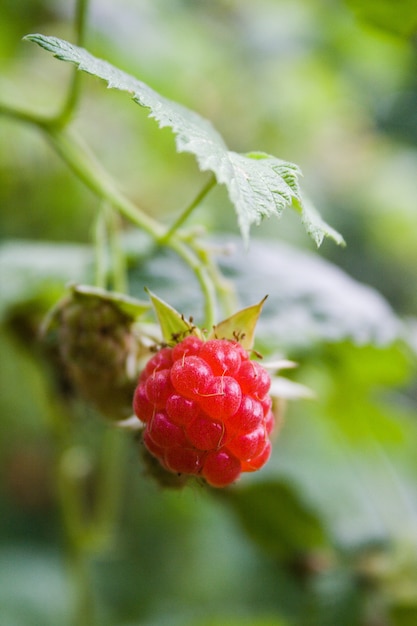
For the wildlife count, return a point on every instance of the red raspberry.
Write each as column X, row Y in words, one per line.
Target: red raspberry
column 205, row 433
column 206, row 410
column 248, row 416
column 158, row 388
column 247, row 446
column 141, row 404
column 222, row 397
column 161, row 360
column 259, row 461
column 191, row 376
column 254, row 379
column 190, row 346
column 222, row 356
column 221, row 468
column 165, row 433
column 182, row 410
column 269, row 422
column 183, row 460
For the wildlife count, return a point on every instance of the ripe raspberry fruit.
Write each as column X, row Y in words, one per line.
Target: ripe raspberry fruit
column 222, row 397
column 222, row 356
column 206, row 410
column 254, row 379
column 191, row 376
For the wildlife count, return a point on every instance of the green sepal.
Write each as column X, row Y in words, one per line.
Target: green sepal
column 174, row 326
column 240, row 326
column 125, row 304
column 88, row 295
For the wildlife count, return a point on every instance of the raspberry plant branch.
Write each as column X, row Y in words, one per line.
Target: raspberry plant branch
column 74, row 91
column 100, row 250
column 27, row 117
column 109, row 489
column 70, row 485
column 84, row 165
column 225, row 289
column 188, row 210
column 70, row 499
column 84, row 534
column 118, row 260
column 110, row 262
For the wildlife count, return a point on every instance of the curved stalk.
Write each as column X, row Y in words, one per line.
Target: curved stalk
column 27, row 117
column 203, row 277
column 73, row 95
column 82, row 162
column 223, row 286
column 100, row 249
column 118, row 259
column 188, row 210
column 84, row 165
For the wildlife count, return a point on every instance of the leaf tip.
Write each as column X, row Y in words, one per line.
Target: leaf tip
column 30, row 37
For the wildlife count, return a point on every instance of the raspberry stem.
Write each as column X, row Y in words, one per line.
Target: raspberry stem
column 188, row 210
column 79, row 159
column 73, row 95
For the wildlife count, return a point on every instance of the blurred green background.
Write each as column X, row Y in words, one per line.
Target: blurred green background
column 326, row 534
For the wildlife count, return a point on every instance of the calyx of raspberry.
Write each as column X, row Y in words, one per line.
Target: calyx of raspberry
column 100, row 346
column 204, row 400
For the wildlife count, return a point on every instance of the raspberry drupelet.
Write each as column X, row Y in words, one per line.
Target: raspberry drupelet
column 206, row 410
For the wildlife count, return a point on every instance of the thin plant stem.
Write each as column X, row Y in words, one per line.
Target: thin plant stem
column 100, row 249
column 188, row 210
column 27, row 117
column 224, row 287
column 78, row 557
column 202, row 275
column 74, row 91
column 118, row 259
column 84, row 610
column 70, row 482
column 81, row 161
column 109, row 491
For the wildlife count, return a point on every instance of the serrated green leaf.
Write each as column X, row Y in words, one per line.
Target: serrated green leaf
column 171, row 322
column 259, row 185
column 314, row 223
column 257, row 188
column 241, row 325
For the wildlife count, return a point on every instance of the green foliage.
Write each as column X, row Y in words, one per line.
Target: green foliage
column 277, row 520
column 398, row 17
column 240, row 621
column 259, row 185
